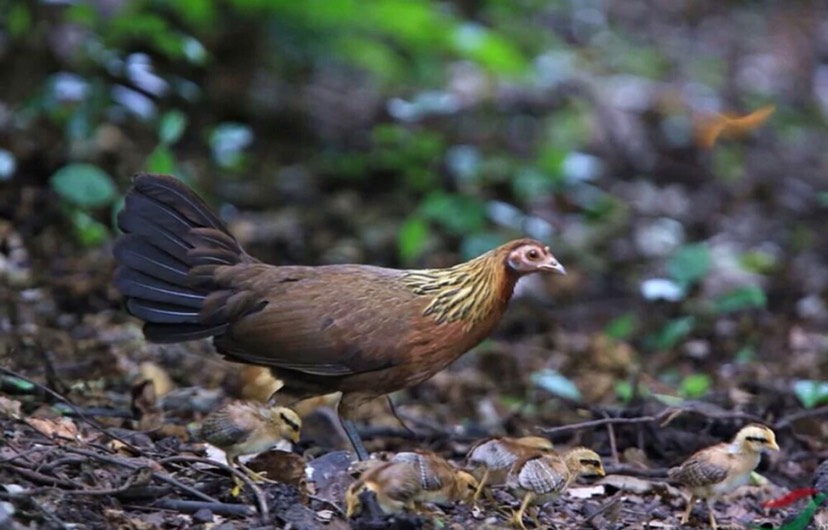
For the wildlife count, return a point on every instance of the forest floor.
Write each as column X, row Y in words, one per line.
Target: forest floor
column 88, row 443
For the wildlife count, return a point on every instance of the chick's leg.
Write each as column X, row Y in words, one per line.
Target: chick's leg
column 517, row 517
column 236, row 480
column 686, row 515
column 254, row 476
column 481, row 485
column 711, row 514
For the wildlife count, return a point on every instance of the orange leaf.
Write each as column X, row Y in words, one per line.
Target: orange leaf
column 726, row 125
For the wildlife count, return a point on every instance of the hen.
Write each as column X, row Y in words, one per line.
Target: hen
column 360, row 330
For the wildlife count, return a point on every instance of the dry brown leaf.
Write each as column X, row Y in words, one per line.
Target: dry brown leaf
column 55, row 427
column 9, row 407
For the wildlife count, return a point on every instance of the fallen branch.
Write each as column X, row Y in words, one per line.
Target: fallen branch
column 218, row 508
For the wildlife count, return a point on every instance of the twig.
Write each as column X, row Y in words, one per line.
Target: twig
column 612, row 442
column 611, row 503
column 257, row 492
column 393, row 408
column 218, row 508
column 801, row 415
column 80, row 414
column 39, row 478
column 158, row 476
column 141, row 476
column 332, row 504
column 606, row 421
column 663, row 418
column 47, row 514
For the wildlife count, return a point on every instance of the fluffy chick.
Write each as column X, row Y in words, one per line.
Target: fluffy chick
column 721, row 468
column 490, row 460
column 408, row 480
column 244, row 427
column 440, row 482
column 540, row 478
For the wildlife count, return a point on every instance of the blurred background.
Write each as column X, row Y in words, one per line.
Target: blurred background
column 672, row 154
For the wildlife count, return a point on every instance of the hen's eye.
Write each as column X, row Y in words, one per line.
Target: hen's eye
column 532, row 254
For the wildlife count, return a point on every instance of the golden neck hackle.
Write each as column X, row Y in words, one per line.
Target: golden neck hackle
column 470, row 291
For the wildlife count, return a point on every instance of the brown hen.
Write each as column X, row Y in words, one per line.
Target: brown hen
column 360, row 330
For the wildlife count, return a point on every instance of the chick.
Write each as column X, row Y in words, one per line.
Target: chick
column 408, row 480
column 440, row 482
column 540, row 478
column 721, row 468
column 395, row 485
column 245, row 427
column 490, row 460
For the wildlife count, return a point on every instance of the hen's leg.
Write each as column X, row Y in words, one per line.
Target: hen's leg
column 353, row 437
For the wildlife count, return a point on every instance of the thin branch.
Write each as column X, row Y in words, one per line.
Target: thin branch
column 182, row 506
column 801, row 415
column 77, row 410
column 129, row 465
column 257, row 492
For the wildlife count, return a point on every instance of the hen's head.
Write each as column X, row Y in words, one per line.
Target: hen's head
column 526, row 256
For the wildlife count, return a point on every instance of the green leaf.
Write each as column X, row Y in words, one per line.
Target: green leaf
column 673, row 332
column 555, row 383
column 624, row 391
column 90, row 232
column 458, row 214
column 19, row 20
column 411, row 238
column 811, row 392
column 84, row 185
column 161, row 160
column 172, row 126
column 695, row 385
column 690, row 264
column 740, row 299
column 491, row 50
column 622, row 327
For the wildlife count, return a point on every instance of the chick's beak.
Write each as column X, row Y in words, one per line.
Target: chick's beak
column 773, row 446
column 552, row 265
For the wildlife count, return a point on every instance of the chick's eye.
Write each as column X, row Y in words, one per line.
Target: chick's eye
column 532, row 254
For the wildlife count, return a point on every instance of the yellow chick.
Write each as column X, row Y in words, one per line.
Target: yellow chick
column 440, row 482
column 490, row 460
column 244, row 427
column 720, row 469
column 395, row 485
column 408, row 480
column 540, row 478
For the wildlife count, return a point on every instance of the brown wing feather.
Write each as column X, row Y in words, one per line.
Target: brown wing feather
column 706, row 467
column 304, row 317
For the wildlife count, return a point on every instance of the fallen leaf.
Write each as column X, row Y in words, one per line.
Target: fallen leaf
column 726, row 125
column 55, row 427
column 9, row 407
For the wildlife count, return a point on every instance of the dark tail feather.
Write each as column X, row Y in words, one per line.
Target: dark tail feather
column 169, row 230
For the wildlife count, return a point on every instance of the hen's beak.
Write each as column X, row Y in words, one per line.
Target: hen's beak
column 552, row 266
